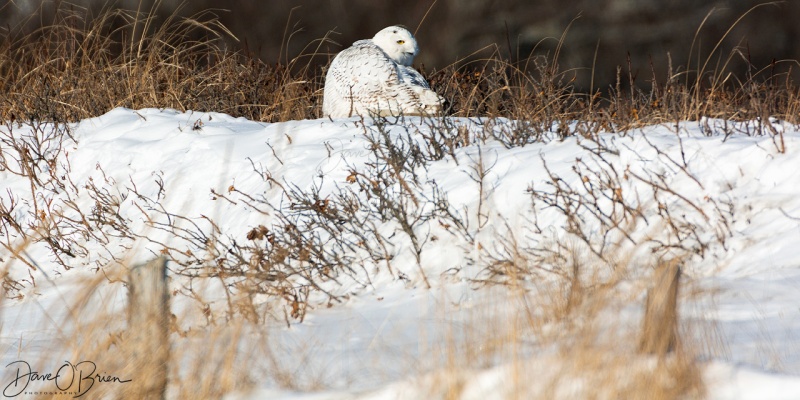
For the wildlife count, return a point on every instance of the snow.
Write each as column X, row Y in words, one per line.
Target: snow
column 389, row 337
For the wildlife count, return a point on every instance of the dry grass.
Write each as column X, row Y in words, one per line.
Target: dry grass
column 98, row 355
column 559, row 343
column 81, row 65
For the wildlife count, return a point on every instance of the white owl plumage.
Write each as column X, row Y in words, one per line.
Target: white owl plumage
column 375, row 77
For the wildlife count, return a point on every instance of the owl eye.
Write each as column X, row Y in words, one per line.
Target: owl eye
column 401, row 41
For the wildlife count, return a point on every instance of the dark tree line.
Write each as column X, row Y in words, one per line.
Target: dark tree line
column 643, row 36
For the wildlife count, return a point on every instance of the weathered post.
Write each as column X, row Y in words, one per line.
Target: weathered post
column 148, row 329
column 660, row 327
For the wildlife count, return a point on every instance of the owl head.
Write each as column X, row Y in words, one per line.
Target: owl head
column 398, row 43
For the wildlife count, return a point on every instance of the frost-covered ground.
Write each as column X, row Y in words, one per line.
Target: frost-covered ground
column 740, row 191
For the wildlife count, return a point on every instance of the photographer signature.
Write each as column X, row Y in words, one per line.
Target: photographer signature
column 343, row 152
column 70, row 378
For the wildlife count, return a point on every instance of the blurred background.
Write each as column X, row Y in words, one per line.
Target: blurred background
column 644, row 37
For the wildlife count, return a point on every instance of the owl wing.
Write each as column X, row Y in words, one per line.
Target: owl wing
column 412, row 77
column 430, row 101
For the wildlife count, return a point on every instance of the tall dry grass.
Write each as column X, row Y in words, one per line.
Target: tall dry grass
column 556, row 342
column 83, row 64
column 91, row 350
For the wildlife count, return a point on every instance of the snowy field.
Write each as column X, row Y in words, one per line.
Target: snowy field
column 733, row 198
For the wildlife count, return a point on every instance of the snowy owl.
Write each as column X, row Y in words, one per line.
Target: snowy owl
column 375, row 77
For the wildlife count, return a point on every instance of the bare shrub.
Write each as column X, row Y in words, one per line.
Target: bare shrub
column 331, row 232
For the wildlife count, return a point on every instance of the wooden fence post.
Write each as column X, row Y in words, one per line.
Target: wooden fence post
column 660, row 327
column 148, row 329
